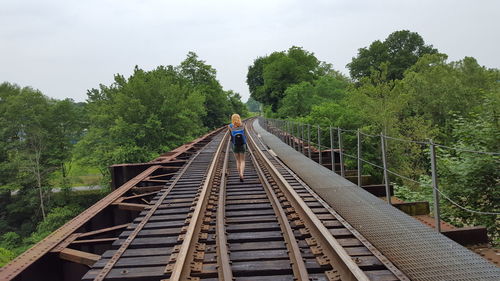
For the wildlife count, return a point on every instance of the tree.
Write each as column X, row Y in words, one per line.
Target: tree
column 472, row 179
column 136, row 119
column 202, row 78
column 68, row 126
column 439, row 90
column 401, row 49
column 237, row 106
column 270, row 76
column 253, row 105
column 300, row 98
column 28, row 126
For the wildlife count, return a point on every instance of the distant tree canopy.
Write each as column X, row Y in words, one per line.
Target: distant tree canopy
column 136, row 119
column 132, row 120
column 36, row 136
column 404, row 89
column 270, row 76
column 219, row 104
column 253, row 105
column 400, row 50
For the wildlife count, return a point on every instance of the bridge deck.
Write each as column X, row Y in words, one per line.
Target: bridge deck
column 419, row 251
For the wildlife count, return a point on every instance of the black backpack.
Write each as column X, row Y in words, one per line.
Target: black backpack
column 239, row 140
column 238, row 137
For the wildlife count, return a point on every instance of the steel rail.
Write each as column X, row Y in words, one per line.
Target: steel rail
column 338, row 256
column 390, row 266
column 116, row 256
column 181, row 267
column 223, row 260
column 298, row 266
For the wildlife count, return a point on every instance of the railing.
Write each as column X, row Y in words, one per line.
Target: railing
column 300, row 135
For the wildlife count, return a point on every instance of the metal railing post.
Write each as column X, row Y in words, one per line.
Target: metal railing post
column 309, row 140
column 360, row 164
column 298, row 136
column 301, row 142
column 288, row 132
column 319, row 146
column 435, row 187
column 304, row 139
column 282, row 131
column 331, row 147
column 386, row 174
column 341, row 153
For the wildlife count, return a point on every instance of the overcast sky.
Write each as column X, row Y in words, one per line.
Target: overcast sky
column 64, row 47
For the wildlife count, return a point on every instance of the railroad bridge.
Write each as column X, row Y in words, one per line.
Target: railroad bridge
column 186, row 216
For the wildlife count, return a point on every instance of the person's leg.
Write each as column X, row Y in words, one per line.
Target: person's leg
column 242, row 164
column 237, row 158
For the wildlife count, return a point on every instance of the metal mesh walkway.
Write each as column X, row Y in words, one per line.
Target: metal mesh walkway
column 417, row 250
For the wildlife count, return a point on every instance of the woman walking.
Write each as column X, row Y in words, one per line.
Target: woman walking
column 238, row 141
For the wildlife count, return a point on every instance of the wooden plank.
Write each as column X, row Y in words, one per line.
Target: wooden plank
column 95, row 241
column 255, row 236
column 78, row 256
column 381, row 275
column 133, row 273
column 139, row 195
column 246, row 246
column 162, row 175
column 252, row 227
column 136, row 261
column 131, row 206
column 413, row 208
column 159, row 181
column 153, row 232
column 467, row 235
column 140, row 252
column 150, row 242
column 141, row 189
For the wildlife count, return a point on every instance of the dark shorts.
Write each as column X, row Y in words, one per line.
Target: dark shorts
column 239, row 149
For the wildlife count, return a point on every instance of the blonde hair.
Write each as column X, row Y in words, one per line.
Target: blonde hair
column 236, row 120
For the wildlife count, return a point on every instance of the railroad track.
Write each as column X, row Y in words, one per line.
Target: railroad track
column 207, row 225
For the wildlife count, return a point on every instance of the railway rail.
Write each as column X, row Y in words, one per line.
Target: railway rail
column 205, row 224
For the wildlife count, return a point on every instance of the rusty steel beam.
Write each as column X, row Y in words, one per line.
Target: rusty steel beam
column 104, row 230
column 23, row 261
column 121, row 173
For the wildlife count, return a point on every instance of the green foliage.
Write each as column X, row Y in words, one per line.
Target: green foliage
column 253, row 105
column 135, row 120
column 406, row 90
column 400, row 50
column 472, row 180
column 237, row 106
column 55, row 219
column 300, row 98
column 440, row 90
column 36, row 138
column 5, row 256
column 201, row 78
column 270, row 76
column 22, row 233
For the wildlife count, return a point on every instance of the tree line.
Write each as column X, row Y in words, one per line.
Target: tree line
column 134, row 119
column 407, row 89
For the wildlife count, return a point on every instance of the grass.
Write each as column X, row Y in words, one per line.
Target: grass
column 78, row 175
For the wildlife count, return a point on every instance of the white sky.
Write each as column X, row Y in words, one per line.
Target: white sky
column 64, row 47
